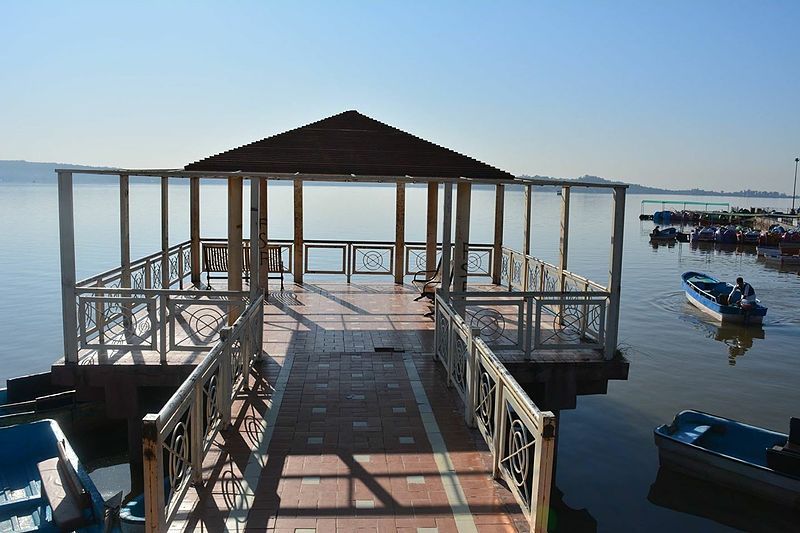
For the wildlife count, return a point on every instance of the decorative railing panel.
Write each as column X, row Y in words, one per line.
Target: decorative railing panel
column 479, row 259
column 372, row 259
column 177, row 438
column 519, row 435
column 527, row 273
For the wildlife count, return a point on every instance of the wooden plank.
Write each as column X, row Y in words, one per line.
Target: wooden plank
column 235, row 259
column 447, row 225
column 297, row 270
column 66, row 232
column 499, row 213
column 527, row 216
column 615, row 273
column 432, row 226
column 399, row 232
column 194, row 227
column 563, row 248
column 255, row 233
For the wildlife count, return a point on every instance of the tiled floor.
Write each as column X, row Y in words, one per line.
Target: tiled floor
column 331, row 435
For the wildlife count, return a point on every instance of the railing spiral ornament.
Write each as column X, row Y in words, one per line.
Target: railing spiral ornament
column 460, row 364
column 155, row 276
column 442, row 337
column 516, row 272
column 177, row 450
column 484, row 410
column 204, row 323
column 211, row 407
column 490, row 322
column 137, row 278
column 504, row 268
column 372, row 260
column 237, row 363
column 186, row 256
column 174, row 273
column 534, row 277
column 519, row 455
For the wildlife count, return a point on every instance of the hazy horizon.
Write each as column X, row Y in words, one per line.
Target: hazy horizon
column 675, row 95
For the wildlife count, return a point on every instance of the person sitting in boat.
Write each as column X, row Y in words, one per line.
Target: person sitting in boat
column 656, row 231
column 747, row 293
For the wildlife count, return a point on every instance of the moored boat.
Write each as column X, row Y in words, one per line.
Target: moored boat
column 706, row 234
column 666, row 234
column 711, row 296
column 45, row 486
column 751, row 459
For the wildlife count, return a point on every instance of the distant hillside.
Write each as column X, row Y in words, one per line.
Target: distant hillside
column 635, row 188
column 32, row 172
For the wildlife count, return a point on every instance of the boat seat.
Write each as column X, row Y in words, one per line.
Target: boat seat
column 786, row 458
column 690, row 435
column 66, row 500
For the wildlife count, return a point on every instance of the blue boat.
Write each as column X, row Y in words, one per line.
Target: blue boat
column 746, row 458
column 666, row 234
column 45, row 486
column 710, row 295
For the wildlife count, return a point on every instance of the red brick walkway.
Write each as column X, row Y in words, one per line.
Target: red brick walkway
column 361, row 441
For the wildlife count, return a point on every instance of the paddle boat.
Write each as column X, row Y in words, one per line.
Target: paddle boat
column 751, row 459
column 45, row 487
column 706, row 234
column 726, row 235
column 749, row 236
column 711, row 296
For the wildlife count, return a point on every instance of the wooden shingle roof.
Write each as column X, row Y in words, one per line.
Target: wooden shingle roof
column 349, row 144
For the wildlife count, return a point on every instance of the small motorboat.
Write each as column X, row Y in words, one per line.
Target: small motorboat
column 749, row 236
column 665, row 235
column 711, row 296
column 751, row 459
column 45, row 487
column 726, row 235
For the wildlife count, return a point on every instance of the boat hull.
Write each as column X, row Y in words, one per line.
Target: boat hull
column 695, row 460
column 727, row 314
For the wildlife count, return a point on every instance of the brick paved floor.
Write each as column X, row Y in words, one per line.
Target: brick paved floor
column 331, row 436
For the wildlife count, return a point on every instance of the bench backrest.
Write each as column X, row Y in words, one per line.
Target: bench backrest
column 274, row 259
column 215, row 257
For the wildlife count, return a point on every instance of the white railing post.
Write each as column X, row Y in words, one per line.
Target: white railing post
column 470, row 383
column 162, row 327
column 153, row 455
column 196, row 417
column 543, row 471
column 66, row 232
column 499, row 426
column 226, row 379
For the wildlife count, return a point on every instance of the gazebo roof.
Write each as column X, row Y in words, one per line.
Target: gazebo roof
column 349, row 144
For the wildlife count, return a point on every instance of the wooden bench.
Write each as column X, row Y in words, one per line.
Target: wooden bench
column 64, row 491
column 215, row 261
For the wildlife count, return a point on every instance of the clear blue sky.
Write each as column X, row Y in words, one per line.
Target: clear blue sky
column 694, row 93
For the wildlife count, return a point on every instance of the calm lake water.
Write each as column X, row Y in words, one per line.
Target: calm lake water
column 607, row 460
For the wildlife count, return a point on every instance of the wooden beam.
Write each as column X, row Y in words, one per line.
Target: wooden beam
column 255, row 241
column 499, row 213
column 527, row 218
column 297, row 268
column 461, row 248
column 263, row 236
column 235, row 263
column 615, row 273
column 194, row 228
column 564, row 239
column 431, row 232
column 66, row 233
column 399, row 232
column 165, row 232
column 447, row 242
column 125, row 231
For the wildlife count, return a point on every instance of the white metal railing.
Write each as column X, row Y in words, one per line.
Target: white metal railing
column 531, row 320
column 177, row 439
column 527, row 273
column 521, row 437
column 162, row 320
column 146, row 272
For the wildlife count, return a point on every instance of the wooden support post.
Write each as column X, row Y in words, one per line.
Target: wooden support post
column 124, row 231
column 165, row 274
column 297, row 268
column 447, row 242
column 263, row 238
column 153, row 461
column 66, row 232
column 235, row 263
column 255, row 241
column 194, row 228
column 527, row 217
column 564, row 240
column 461, row 248
column 615, row 273
column 497, row 253
column 400, row 232
column 431, row 232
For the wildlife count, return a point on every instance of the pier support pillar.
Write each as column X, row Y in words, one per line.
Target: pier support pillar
column 194, row 228
column 297, row 268
column 125, row 231
column 499, row 213
column 255, row 241
column 235, row 262
column 432, row 227
column 461, row 248
column 165, row 273
column 399, row 232
column 527, row 218
column 447, row 241
column 263, row 237
column 563, row 248
column 66, row 232
column 615, row 272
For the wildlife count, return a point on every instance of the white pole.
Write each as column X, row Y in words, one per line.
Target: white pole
column 66, row 232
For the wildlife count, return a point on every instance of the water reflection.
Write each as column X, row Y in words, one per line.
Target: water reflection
column 679, row 492
column 567, row 519
column 737, row 338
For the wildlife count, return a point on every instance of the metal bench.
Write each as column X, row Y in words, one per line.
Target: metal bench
column 215, row 260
